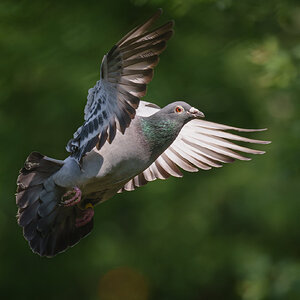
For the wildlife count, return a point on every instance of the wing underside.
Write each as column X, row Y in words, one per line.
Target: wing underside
column 199, row 145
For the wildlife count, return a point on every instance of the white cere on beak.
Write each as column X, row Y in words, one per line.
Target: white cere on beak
column 196, row 112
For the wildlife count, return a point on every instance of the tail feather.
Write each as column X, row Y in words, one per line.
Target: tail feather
column 27, row 197
column 48, row 227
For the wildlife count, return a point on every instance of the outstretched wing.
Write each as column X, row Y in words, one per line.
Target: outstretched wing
column 199, row 145
column 125, row 71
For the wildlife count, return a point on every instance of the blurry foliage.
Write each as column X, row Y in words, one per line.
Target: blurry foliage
column 276, row 65
column 230, row 233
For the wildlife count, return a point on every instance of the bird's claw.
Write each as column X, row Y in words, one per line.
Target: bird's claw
column 71, row 198
column 86, row 217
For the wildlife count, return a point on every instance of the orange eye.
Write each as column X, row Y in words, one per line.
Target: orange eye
column 178, row 109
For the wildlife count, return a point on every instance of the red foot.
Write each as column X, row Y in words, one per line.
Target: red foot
column 86, row 217
column 75, row 195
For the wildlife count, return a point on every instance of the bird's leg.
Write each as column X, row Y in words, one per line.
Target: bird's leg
column 87, row 215
column 71, row 198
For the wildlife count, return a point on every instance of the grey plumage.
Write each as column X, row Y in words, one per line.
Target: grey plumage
column 125, row 71
column 123, row 144
column 47, row 227
column 199, row 145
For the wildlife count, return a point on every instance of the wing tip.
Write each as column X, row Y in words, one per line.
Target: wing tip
column 264, row 142
column 250, row 130
column 260, row 152
column 159, row 11
column 171, row 22
column 244, row 158
column 155, row 16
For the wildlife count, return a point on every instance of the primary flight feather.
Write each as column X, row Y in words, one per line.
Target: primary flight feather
column 123, row 144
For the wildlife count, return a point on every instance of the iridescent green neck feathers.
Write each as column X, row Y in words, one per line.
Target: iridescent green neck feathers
column 159, row 132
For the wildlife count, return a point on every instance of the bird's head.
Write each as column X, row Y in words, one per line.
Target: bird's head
column 182, row 111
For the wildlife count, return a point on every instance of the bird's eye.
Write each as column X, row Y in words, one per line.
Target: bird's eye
column 179, row 109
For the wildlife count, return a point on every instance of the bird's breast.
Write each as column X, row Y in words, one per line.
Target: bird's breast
column 116, row 163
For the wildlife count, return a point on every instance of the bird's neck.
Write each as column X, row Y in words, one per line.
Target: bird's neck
column 159, row 132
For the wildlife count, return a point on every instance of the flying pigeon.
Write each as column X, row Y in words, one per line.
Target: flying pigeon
column 123, row 144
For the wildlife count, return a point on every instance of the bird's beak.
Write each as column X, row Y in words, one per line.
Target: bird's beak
column 196, row 113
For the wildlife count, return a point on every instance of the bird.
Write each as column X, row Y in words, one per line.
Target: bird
column 123, row 144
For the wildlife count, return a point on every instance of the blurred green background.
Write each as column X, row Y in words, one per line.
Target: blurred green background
column 230, row 233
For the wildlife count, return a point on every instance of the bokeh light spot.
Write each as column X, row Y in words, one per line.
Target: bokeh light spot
column 123, row 283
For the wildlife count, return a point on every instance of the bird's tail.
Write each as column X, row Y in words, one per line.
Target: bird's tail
column 47, row 226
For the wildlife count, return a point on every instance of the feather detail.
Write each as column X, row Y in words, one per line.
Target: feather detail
column 125, row 72
column 199, row 145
